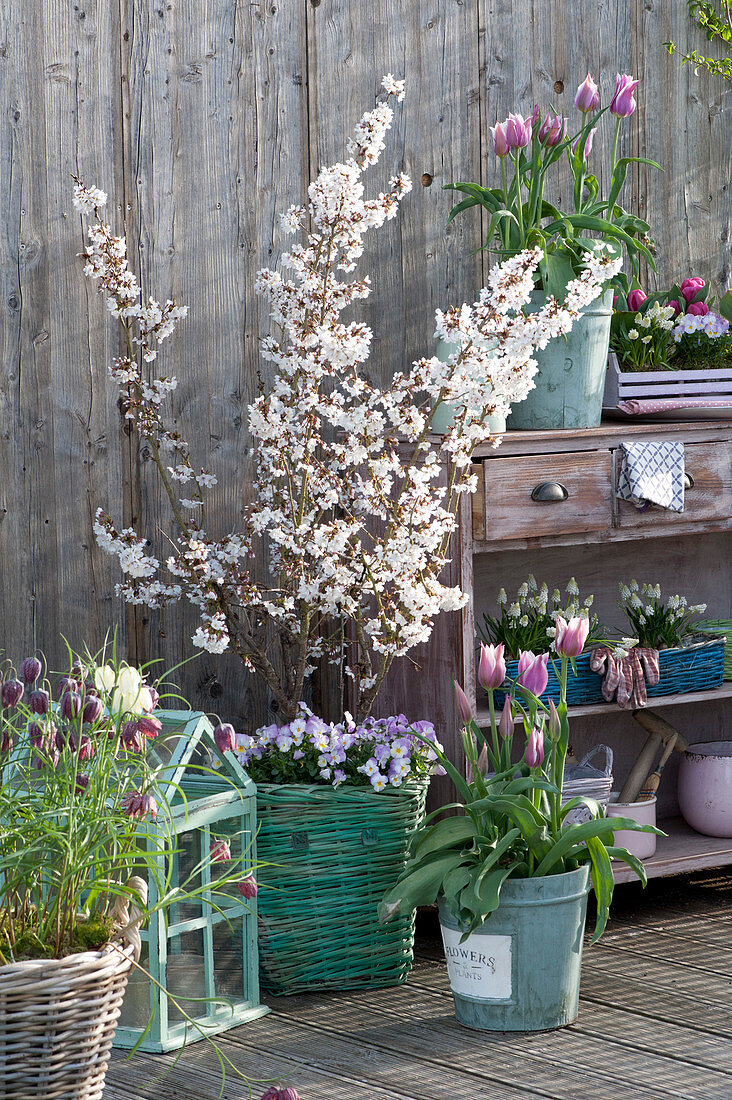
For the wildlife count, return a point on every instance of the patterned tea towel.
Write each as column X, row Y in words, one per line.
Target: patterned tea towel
column 652, row 473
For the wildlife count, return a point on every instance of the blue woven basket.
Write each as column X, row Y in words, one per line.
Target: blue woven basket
column 695, row 667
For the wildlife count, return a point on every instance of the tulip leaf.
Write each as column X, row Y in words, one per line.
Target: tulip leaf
column 725, row 305
column 416, row 887
column 447, row 833
column 602, row 883
column 631, row 860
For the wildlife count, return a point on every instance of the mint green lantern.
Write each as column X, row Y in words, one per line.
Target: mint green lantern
column 202, row 950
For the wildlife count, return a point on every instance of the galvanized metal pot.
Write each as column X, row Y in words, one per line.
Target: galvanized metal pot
column 520, row 971
column 570, row 381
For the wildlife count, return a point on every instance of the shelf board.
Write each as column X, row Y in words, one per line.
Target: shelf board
column 682, row 850
column 689, row 698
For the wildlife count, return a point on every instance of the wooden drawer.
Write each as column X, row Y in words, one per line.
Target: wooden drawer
column 510, row 512
column 710, row 498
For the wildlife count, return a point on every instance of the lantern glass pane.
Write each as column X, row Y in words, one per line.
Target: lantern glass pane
column 185, row 974
column 136, row 1004
column 228, row 968
column 186, row 875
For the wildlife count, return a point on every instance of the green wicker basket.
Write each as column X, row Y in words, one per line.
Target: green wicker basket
column 328, row 858
column 721, row 628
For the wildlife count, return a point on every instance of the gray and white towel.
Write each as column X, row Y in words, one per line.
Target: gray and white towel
column 652, row 473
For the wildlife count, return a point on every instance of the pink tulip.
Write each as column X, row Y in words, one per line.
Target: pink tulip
column 588, row 143
column 500, row 144
column 505, row 726
column 570, row 638
column 588, row 96
column 532, row 672
column 698, row 309
column 553, row 130
column 636, row 298
column 676, row 307
column 463, row 704
column 623, row 104
column 535, row 748
column 492, row 667
column 691, row 287
column 554, row 726
column 518, row 131
column 534, row 116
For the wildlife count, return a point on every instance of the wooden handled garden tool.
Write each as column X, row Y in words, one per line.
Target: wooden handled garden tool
column 659, row 732
column 651, row 784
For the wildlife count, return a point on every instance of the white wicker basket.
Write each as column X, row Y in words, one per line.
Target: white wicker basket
column 589, row 781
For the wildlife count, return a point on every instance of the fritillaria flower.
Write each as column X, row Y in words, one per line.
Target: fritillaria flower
column 31, row 670
column 12, row 693
column 248, row 887
column 220, row 851
column 225, row 737
column 139, row 805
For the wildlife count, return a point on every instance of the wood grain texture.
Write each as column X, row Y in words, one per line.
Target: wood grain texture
column 203, row 120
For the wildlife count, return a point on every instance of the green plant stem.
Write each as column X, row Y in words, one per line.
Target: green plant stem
column 494, row 732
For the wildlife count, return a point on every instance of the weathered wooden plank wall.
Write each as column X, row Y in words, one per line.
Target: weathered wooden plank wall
column 205, row 118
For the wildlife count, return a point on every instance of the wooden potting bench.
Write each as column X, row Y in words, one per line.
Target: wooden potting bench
column 505, row 534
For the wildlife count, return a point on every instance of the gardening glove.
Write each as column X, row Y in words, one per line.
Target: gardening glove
column 649, row 658
column 638, row 697
column 603, row 658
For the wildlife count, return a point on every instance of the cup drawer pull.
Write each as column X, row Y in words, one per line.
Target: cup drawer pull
column 688, row 481
column 549, row 492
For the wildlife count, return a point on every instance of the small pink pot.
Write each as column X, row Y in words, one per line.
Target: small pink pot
column 705, row 787
column 642, row 845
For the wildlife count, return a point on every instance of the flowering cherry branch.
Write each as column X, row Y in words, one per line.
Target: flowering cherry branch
column 355, row 497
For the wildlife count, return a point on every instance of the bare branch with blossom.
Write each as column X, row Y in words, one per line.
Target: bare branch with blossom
column 354, row 495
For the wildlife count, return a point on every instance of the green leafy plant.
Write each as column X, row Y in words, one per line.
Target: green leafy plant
column 527, row 622
column 78, row 786
column 511, row 822
column 657, row 623
column 715, row 19
column 520, row 215
column 677, row 329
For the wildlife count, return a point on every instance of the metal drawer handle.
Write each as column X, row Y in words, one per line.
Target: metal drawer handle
column 688, row 481
column 549, row 492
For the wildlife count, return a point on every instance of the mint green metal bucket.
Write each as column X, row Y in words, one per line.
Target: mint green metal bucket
column 520, row 970
column 570, row 381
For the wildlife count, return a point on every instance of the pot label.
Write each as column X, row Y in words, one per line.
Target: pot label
column 480, row 967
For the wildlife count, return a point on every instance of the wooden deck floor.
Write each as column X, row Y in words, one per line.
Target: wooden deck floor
column 655, row 1023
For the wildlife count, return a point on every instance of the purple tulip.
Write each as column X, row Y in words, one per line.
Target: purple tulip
column 698, row 309
column 553, row 130
column 463, row 704
column 534, row 116
column 588, row 144
column 31, row 670
column 623, row 104
column 70, row 705
column 505, row 726
column 636, row 298
column 12, row 693
column 39, row 702
column 500, row 144
column 532, row 672
column 225, row 737
column 248, row 887
column 691, row 287
column 518, row 131
column 570, row 638
column 93, row 710
column 676, row 306
column 588, row 96
column 492, row 667
column 535, row 748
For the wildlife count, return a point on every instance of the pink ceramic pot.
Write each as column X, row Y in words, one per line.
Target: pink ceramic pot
column 642, row 845
column 705, row 787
